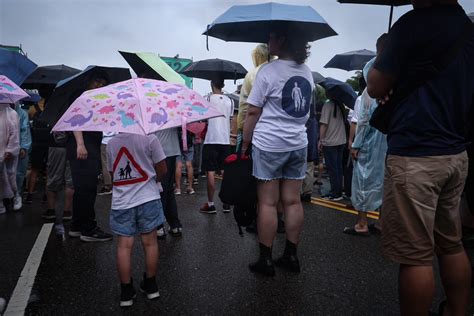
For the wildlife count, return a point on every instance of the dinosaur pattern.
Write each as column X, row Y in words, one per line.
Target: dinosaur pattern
column 199, row 107
column 151, row 94
column 169, row 91
column 106, row 109
column 7, row 86
column 127, row 119
column 124, row 95
column 79, row 119
column 159, row 118
column 101, row 96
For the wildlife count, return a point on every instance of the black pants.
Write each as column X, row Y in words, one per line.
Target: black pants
column 84, row 177
column 347, row 170
column 168, row 199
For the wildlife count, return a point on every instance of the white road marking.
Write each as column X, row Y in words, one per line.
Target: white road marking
column 21, row 294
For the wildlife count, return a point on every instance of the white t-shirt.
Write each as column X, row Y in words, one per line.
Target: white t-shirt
column 354, row 114
column 283, row 89
column 218, row 129
column 169, row 140
column 132, row 159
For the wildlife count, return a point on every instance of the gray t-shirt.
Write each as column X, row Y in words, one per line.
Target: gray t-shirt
column 169, row 140
column 336, row 131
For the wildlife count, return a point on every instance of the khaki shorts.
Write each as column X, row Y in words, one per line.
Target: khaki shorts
column 420, row 212
column 59, row 171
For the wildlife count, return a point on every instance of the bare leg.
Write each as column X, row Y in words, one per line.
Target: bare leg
column 51, row 199
column 268, row 197
column 294, row 214
column 189, row 168
column 124, row 258
column 68, row 199
column 416, row 289
column 456, row 277
column 32, row 180
column 179, row 166
column 211, row 185
column 150, row 246
column 362, row 224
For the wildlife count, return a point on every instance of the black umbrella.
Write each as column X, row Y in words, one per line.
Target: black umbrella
column 391, row 3
column 341, row 91
column 70, row 88
column 349, row 61
column 317, row 77
column 471, row 16
column 215, row 69
column 48, row 75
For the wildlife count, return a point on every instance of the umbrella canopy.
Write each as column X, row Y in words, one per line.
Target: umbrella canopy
column 341, row 91
column 15, row 66
column 10, row 92
column 349, row 61
column 32, row 98
column 152, row 65
column 471, row 16
column 317, row 77
column 210, row 69
column 254, row 23
column 69, row 89
column 137, row 106
column 48, row 75
column 391, row 3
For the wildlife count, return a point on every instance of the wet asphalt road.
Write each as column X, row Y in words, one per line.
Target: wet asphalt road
column 205, row 271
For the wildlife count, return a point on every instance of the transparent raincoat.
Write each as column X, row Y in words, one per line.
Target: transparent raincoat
column 368, row 174
column 9, row 143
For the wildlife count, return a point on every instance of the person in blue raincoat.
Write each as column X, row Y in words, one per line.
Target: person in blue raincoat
column 368, row 150
column 25, row 146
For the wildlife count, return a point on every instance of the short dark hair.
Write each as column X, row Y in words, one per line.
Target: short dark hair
column 297, row 46
column 218, row 83
column 381, row 42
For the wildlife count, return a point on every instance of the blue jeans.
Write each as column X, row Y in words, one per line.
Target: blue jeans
column 21, row 173
column 333, row 157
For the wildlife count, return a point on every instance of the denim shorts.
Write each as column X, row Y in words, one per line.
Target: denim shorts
column 290, row 165
column 140, row 219
column 186, row 155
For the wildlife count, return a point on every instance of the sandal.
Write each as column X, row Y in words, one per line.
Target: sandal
column 352, row 231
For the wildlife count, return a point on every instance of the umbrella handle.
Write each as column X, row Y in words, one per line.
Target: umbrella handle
column 235, row 76
column 184, row 136
column 207, row 37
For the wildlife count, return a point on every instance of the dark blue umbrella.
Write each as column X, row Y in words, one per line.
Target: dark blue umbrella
column 317, row 77
column 254, row 23
column 69, row 89
column 15, row 66
column 341, row 91
column 210, row 69
column 349, row 61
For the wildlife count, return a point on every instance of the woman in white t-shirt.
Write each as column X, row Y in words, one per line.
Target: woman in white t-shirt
column 275, row 125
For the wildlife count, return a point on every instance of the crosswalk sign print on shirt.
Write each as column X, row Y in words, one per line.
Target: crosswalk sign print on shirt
column 126, row 170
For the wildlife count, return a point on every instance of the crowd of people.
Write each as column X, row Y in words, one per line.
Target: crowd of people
column 414, row 176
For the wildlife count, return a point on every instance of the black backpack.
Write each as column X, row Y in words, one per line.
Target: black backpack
column 244, row 215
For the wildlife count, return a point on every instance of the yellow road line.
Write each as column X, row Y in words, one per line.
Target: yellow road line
column 342, row 209
column 341, row 205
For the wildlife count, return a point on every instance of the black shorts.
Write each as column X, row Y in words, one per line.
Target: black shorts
column 213, row 156
column 39, row 157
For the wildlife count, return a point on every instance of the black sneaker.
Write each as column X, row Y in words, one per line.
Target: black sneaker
column 29, row 198
column 127, row 294
column 50, row 214
column 263, row 266
column 290, row 263
column 95, row 235
column 148, row 286
column 208, row 209
column 74, row 232
column 176, row 232
column 226, row 208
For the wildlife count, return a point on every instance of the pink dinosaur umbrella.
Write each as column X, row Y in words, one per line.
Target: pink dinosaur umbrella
column 138, row 106
column 10, row 92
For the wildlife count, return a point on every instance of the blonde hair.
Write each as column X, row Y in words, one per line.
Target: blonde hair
column 260, row 54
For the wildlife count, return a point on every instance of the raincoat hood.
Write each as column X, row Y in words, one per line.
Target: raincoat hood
column 367, row 68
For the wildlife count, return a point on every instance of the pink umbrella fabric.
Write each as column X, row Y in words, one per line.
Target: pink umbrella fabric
column 10, row 92
column 137, row 106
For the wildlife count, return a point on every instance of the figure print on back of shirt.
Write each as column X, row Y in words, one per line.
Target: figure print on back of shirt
column 296, row 96
column 126, row 170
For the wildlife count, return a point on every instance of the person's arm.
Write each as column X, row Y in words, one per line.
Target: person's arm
column 81, row 147
column 352, row 132
column 161, row 170
column 253, row 114
column 322, row 134
column 380, row 85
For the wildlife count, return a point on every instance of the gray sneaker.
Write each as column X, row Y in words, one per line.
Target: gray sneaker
column 96, row 235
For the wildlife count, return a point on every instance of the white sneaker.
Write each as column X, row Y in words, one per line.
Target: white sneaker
column 17, row 203
column 161, row 233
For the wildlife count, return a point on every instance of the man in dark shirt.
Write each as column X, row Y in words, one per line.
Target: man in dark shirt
column 427, row 162
column 83, row 153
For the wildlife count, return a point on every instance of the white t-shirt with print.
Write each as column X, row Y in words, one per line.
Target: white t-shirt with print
column 132, row 159
column 218, row 129
column 283, row 89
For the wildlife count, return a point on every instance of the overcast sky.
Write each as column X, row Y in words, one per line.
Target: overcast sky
column 82, row 32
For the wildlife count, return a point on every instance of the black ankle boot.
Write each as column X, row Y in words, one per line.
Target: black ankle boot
column 289, row 261
column 264, row 264
column 149, row 287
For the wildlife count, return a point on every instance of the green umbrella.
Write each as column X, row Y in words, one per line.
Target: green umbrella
column 153, row 66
